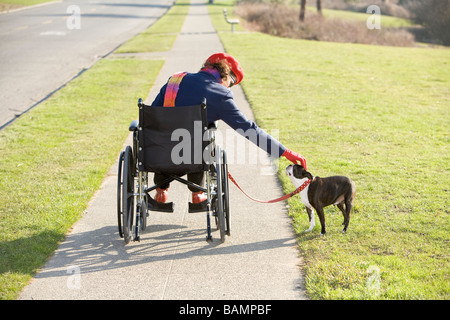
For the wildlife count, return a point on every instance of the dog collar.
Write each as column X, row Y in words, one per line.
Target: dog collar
column 301, row 188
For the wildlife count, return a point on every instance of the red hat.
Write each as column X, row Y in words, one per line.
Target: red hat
column 233, row 63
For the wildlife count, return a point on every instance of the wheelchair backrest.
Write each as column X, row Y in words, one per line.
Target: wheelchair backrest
column 170, row 139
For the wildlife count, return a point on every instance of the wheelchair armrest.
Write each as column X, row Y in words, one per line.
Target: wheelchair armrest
column 212, row 125
column 133, row 125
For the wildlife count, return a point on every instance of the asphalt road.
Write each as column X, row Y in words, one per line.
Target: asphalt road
column 44, row 47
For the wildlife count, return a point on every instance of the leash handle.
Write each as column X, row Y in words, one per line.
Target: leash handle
column 287, row 196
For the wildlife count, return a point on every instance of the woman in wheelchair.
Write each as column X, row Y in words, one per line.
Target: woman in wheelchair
column 219, row 73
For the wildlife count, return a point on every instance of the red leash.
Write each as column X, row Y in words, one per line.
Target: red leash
column 287, row 196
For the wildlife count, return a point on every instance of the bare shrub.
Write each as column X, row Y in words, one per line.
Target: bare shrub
column 281, row 20
column 434, row 15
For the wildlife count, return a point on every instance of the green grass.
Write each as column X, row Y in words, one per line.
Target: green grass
column 24, row 2
column 7, row 5
column 385, row 21
column 161, row 35
column 379, row 115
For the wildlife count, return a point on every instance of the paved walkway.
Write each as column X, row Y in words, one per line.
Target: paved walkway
column 173, row 261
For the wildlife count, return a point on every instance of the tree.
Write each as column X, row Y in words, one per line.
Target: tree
column 434, row 15
column 303, row 8
column 319, row 7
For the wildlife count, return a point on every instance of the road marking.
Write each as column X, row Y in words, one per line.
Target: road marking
column 53, row 33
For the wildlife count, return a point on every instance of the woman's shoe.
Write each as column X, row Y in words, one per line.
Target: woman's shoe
column 161, row 195
column 198, row 197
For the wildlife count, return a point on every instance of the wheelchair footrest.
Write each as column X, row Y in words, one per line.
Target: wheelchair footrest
column 197, row 207
column 156, row 206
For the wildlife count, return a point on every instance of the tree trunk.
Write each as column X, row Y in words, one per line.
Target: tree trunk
column 319, row 7
column 302, row 10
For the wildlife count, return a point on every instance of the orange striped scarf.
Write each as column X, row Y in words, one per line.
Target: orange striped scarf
column 172, row 89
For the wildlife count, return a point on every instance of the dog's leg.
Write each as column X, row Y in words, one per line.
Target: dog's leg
column 348, row 209
column 342, row 208
column 321, row 215
column 349, row 204
column 311, row 219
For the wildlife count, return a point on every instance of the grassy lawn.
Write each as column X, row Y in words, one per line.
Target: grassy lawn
column 25, row 2
column 385, row 21
column 379, row 115
column 14, row 4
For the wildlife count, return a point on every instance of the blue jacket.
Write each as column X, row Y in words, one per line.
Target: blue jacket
column 220, row 106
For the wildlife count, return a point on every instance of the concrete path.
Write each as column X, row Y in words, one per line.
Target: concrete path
column 173, row 261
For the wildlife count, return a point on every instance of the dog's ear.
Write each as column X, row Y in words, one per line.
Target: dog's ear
column 309, row 175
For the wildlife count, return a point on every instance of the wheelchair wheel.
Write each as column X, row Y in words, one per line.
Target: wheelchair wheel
column 119, row 194
column 128, row 194
column 144, row 207
column 220, row 199
column 226, row 195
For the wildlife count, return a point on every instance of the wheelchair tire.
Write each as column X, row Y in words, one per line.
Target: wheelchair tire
column 220, row 205
column 226, row 194
column 119, row 194
column 128, row 172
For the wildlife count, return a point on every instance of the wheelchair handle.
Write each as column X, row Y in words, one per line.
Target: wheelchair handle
column 140, row 103
column 212, row 125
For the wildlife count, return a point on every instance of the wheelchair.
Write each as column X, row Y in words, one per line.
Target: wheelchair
column 156, row 149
